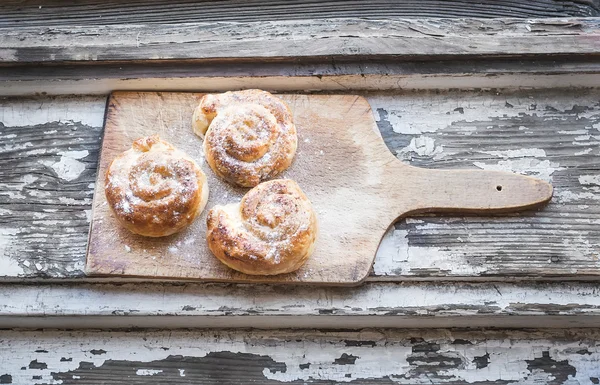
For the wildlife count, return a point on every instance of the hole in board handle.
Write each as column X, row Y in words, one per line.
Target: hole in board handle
column 499, row 188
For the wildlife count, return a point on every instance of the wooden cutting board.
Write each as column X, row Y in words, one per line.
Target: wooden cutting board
column 358, row 189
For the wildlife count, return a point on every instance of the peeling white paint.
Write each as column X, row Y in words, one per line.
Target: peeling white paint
column 422, row 146
column 68, row 167
column 75, row 202
column 384, row 358
column 147, row 372
column 542, row 169
column 566, row 196
column 88, row 110
column 419, row 113
column 8, row 54
column 374, row 299
column 8, row 266
column 396, row 257
column 589, row 180
column 519, row 153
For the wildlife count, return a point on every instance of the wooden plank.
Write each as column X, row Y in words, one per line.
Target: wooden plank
column 302, row 356
column 89, row 12
column 44, row 223
column 301, row 84
column 323, row 39
column 374, row 305
column 382, row 190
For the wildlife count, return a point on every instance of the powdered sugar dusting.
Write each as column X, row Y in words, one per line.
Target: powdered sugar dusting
column 153, row 184
column 273, row 223
column 252, row 137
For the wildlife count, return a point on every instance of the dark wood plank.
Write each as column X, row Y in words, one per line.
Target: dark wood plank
column 301, row 356
column 16, row 13
column 326, row 39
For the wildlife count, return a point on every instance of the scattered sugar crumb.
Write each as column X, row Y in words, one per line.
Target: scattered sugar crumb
column 173, row 249
column 127, row 249
column 306, row 140
column 321, row 152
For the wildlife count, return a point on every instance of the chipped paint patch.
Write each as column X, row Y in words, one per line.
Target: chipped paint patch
column 522, row 161
column 542, row 169
column 518, row 153
column 8, row 266
column 409, row 357
column 68, row 167
column 589, row 180
column 147, row 372
column 567, row 196
column 8, row 54
column 87, row 110
column 422, row 146
column 396, row 256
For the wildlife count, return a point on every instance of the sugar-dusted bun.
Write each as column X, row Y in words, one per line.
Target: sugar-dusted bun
column 154, row 189
column 249, row 136
column 271, row 231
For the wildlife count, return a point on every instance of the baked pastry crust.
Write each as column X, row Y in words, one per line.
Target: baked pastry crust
column 249, row 136
column 271, row 231
column 154, row 189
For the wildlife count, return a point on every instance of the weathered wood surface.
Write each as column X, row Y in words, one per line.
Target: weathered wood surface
column 16, row 13
column 393, row 305
column 153, row 79
column 370, row 356
column 327, row 39
column 50, row 148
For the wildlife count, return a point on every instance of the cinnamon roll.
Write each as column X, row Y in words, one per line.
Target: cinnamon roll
column 154, row 189
column 271, row 231
column 249, row 136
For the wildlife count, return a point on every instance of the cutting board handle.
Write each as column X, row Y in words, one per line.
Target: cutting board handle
column 467, row 191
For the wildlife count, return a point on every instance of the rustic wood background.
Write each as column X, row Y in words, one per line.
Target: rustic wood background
column 370, row 356
column 50, row 152
column 48, row 157
column 46, row 13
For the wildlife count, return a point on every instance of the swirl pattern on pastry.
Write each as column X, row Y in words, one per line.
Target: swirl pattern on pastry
column 249, row 136
column 271, row 231
column 154, row 189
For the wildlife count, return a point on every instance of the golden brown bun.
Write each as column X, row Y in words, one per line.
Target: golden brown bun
column 271, row 231
column 154, row 189
column 249, row 136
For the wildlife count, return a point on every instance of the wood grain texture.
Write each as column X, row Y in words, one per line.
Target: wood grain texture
column 342, row 165
column 337, row 39
column 16, row 13
column 396, row 305
column 368, row 356
column 543, row 133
